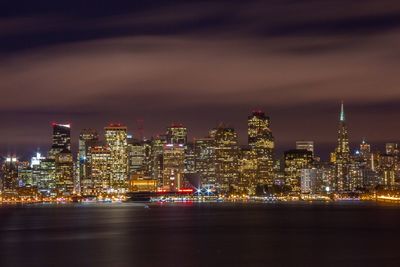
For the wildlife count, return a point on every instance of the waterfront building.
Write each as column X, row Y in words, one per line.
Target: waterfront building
column 261, row 140
column 312, row 181
column 46, row 174
column 173, row 167
column 294, row 161
column 342, row 154
column 157, row 148
column 248, row 171
column 116, row 141
column 9, row 177
column 226, row 159
column 190, row 165
column 355, row 175
column 101, row 171
column 136, row 156
column 25, row 175
column 64, row 172
column 393, row 149
column 140, row 183
column 387, row 170
column 204, row 150
column 87, row 139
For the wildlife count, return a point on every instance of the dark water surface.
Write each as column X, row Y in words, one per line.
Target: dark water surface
column 213, row 234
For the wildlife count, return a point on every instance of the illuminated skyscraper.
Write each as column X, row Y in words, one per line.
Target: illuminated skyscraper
column 248, row 171
column 64, row 173
column 260, row 139
column 342, row 154
column 204, row 150
column 295, row 161
column 35, row 160
column 35, row 168
column 100, row 174
column 176, row 134
column 312, row 181
column 116, row 140
column 157, row 148
column 226, row 159
column 392, row 149
column 305, row 145
column 136, row 156
column 189, row 159
column 173, row 167
column 387, row 170
column 25, row 177
column 87, row 139
column 46, row 174
column 9, row 179
column 61, row 139
column 365, row 150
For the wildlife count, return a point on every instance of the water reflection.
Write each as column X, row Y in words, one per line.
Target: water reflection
column 215, row 234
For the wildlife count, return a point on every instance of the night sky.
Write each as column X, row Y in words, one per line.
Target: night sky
column 199, row 63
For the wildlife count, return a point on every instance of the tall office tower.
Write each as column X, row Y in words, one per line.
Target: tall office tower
column 27, row 187
column 226, row 159
column 204, row 152
column 212, row 133
column 387, row 170
column 116, row 140
column 327, row 175
column 190, row 167
column 260, row 139
column 295, row 161
column 392, row 149
column 47, row 177
column 35, row 167
column 176, row 134
column 25, row 177
column 101, row 171
column 157, row 148
column 247, row 171
column 173, row 167
column 148, row 162
column 61, row 139
column 365, row 149
column 356, row 170
column 136, row 157
column 360, row 172
column 35, row 160
column 87, row 139
column 342, row 153
column 305, row 145
column 64, row 173
column 9, row 179
column 365, row 155
column 312, row 181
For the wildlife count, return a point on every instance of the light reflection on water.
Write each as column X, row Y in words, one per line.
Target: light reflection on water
column 205, row 234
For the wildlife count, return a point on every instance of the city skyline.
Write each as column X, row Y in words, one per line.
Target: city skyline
column 118, row 164
column 199, row 133
column 322, row 149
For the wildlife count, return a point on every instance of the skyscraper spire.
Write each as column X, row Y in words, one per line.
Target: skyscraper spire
column 342, row 117
column 342, row 155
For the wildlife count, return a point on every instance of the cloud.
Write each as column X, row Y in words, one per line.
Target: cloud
column 202, row 62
